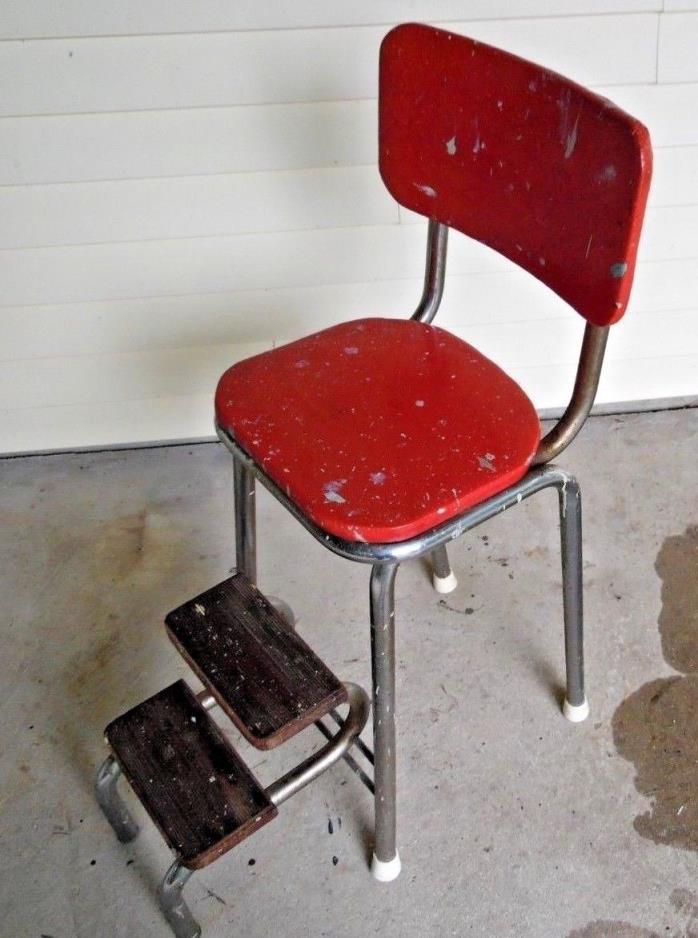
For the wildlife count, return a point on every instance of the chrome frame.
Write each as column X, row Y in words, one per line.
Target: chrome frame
column 385, row 558
column 322, row 760
column 110, row 801
column 245, row 529
column 585, row 386
column 434, row 273
column 427, row 308
column 174, row 906
column 382, row 593
column 170, row 891
column 538, row 478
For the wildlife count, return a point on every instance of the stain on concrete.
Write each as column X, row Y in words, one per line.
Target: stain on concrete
column 683, row 901
column 604, row 929
column 106, row 579
column 686, row 903
column 656, row 727
column 677, row 566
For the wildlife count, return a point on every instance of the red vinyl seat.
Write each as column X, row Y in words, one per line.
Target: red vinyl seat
column 380, row 429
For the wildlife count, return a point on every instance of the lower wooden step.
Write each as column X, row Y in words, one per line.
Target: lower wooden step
column 196, row 788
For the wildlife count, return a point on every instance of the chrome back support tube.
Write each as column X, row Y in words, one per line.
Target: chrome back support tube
column 435, row 272
column 585, row 387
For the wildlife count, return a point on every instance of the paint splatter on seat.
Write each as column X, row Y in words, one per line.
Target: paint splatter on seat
column 380, row 429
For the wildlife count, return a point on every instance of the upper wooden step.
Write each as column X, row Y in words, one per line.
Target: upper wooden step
column 196, row 788
column 263, row 675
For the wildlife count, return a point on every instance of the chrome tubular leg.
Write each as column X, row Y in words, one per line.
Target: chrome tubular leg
column 173, row 904
column 110, row 801
column 246, row 533
column 386, row 860
column 575, row 707
column 443, row 577
column 245, row 521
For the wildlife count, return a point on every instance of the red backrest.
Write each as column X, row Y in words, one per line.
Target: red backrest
column 538, row 168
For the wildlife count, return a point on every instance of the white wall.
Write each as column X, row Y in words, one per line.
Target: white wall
column 183, row 184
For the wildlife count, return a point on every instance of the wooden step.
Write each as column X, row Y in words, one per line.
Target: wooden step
column 196, row 788
column 264, row 676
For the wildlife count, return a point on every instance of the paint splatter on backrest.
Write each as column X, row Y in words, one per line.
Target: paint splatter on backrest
column 538, row 168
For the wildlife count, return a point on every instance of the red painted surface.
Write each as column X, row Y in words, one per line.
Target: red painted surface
column 518, row 157
column 380, row 429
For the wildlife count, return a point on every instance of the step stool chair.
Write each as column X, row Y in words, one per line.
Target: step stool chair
column 388, row 439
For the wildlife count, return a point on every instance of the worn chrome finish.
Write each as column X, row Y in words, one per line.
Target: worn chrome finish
column 440, row 563
column 208, row 702
column 245, row 521
column 110, row 801
column 585, row 387
column 383, row 671
column 570, row 499
column 173, row 904
column 358, row 742
column 300, row 776
column 348, row 758
column 534, row 481
column 385, row 559
column 435, row 272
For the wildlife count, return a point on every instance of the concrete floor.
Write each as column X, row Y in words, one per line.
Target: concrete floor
column 513, row 822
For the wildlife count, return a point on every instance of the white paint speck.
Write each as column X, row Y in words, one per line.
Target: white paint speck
column 427, row 190
column 351, row 350
column 419, row 403
column 331, row 490
column 378, row 478
column 451, row 146
column 301, row 363
column 571, row 139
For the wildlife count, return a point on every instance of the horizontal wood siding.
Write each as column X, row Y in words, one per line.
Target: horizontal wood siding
column 183, row 185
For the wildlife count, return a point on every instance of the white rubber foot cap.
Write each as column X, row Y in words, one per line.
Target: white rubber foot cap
column 576, row 714
column 386, row 872
column 444, row 584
